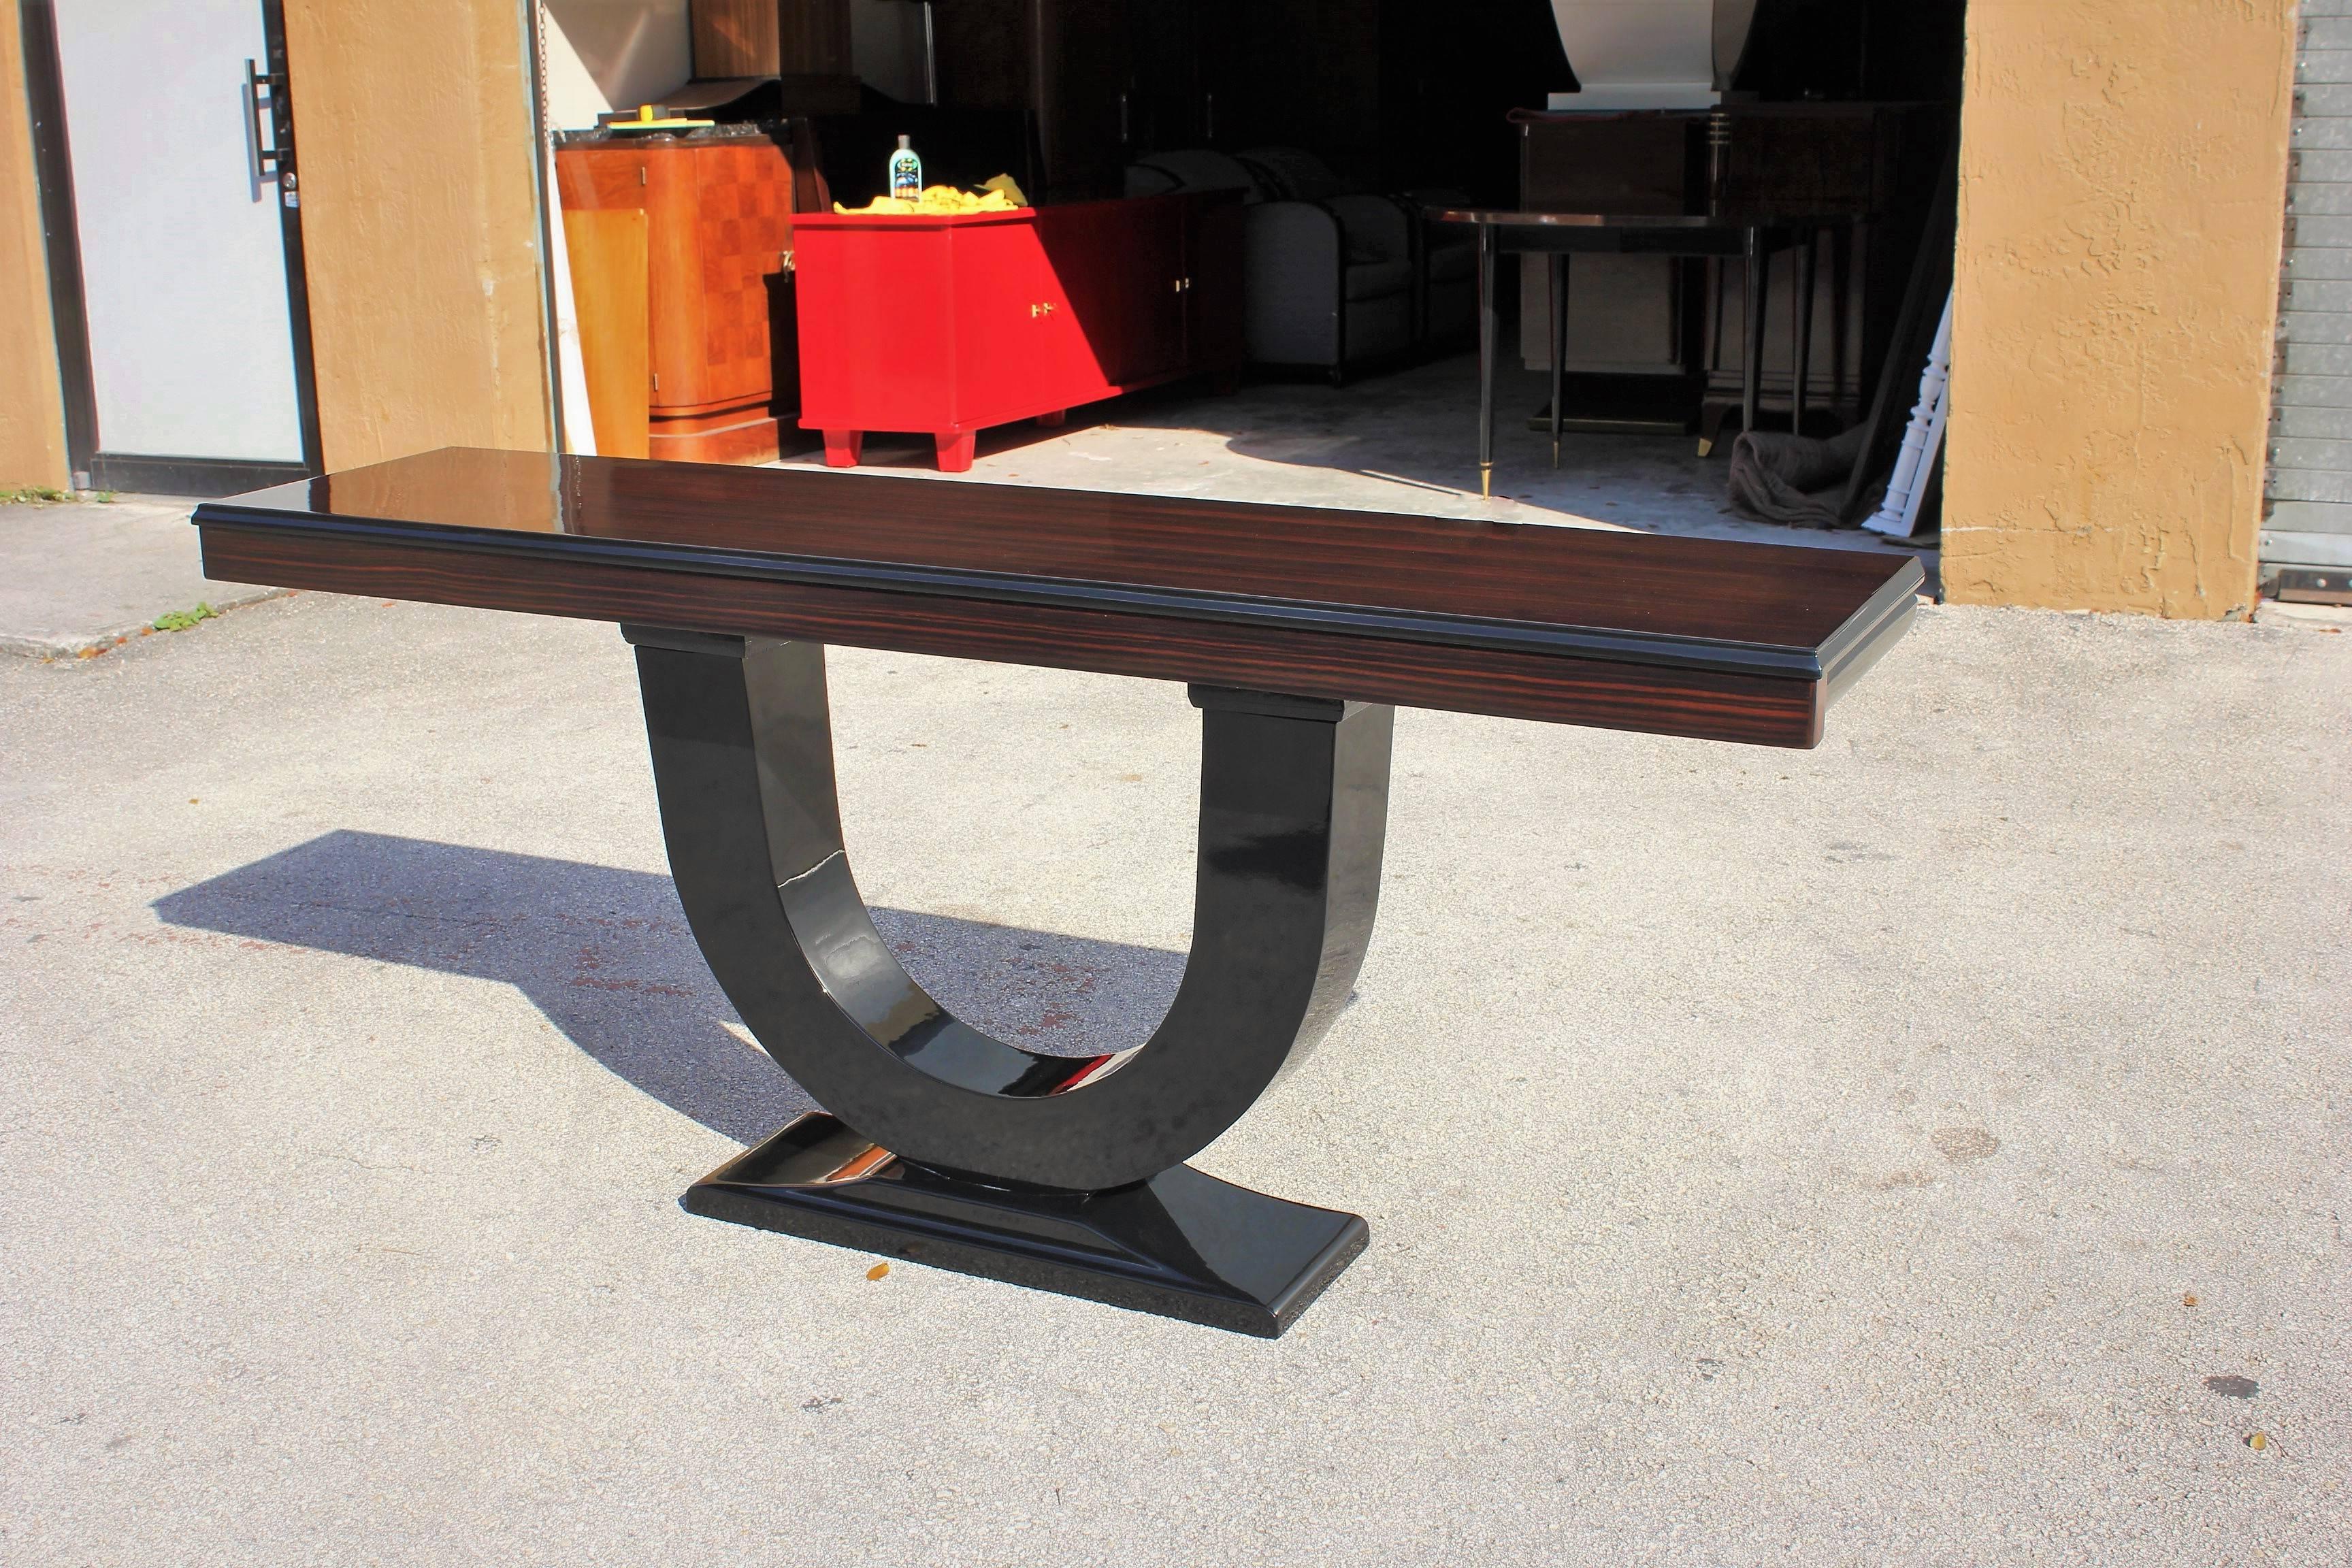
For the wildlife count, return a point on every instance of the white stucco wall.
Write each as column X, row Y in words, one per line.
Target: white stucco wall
column 613, row 54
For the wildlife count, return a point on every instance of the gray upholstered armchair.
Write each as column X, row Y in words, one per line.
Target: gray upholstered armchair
column 1331, row 278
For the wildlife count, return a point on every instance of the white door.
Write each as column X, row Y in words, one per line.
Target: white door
column 184, row 268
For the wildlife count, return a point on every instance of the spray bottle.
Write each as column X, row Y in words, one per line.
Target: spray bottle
column 905, row 172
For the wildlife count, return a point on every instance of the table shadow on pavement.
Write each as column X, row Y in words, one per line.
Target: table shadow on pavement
column 606, row 955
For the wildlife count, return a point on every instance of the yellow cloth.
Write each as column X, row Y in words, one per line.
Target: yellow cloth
column 998, row 196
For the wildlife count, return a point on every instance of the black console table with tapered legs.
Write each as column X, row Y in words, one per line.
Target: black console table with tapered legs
column 1753, row 238
column 1294, row 631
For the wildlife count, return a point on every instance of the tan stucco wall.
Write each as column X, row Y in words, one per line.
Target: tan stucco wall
column 32, row 413
column 2123, row 174
column 413, row 122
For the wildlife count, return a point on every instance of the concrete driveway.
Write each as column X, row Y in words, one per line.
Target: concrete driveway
column 1928, row 1149
column 83, row 575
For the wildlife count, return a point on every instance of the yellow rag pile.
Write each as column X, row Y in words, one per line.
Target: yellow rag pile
column 1000, row 195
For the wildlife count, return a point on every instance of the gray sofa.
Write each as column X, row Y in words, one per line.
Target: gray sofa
column 1333, row 278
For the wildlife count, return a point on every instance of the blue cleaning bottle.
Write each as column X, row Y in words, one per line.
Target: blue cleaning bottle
column 905, row 172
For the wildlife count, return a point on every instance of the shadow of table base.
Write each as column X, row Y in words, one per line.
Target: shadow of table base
column 606, row 955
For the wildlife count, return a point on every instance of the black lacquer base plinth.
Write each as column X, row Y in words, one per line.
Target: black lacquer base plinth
column 1181, row 1244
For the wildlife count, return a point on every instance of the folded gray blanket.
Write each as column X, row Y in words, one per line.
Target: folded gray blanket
column 1794, row 479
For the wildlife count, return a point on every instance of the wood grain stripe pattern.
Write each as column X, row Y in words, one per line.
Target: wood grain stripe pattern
column 1762, row 710
column 426, row 534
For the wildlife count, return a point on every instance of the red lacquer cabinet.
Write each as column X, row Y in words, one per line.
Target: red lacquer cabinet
column 948, row 325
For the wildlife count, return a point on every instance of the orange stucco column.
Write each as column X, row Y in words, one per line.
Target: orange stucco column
column 411, row 120
column 32, row 407
column 2123, row 178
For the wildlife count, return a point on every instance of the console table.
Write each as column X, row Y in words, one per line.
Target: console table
column 1294, row 631
column 1556, row 236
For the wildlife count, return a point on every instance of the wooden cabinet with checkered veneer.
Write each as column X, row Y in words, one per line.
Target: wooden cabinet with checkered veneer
column 719, row 367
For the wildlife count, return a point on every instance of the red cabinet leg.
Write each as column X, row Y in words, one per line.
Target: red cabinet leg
column 1053, row 421
column 956, row 451
column 843, row 448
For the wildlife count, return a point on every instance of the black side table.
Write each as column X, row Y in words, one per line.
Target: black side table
column 1752, row 236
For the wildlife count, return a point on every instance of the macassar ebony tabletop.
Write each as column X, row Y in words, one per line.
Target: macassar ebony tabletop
column 1296, row 630
column 1684, row 637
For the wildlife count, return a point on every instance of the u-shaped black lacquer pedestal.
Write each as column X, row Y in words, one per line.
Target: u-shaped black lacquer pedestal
column 942, row 1145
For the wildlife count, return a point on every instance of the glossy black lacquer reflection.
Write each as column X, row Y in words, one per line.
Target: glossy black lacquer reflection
column 949, row 1146
column 1294, row 803
column 1182, row 1245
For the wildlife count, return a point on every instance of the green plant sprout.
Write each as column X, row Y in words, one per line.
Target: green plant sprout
column 181, row 620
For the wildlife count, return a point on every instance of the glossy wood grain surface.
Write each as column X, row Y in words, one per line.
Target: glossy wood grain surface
column 1625, row 630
